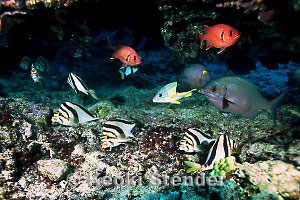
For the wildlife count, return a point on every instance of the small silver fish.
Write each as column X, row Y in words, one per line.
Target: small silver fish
column 115, row 132
column 70, row 114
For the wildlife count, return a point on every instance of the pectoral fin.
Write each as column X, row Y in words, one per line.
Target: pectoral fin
column 226, row 103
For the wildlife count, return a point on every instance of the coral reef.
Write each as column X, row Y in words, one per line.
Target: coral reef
column 274, row 176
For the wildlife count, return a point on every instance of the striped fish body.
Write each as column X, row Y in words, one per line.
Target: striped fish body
column 35, row 75
column 70, row 114
column 78, row 86
column 221, row 148
column 193, row 139
column 116, row 132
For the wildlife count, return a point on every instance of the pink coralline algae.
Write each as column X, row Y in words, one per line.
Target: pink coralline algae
column 264, row 14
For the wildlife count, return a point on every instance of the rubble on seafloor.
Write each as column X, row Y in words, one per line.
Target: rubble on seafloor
column 42, row 160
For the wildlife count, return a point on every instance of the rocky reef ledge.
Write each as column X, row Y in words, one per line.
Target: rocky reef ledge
column 40, row 160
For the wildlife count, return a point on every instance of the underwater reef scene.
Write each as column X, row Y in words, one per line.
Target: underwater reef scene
column 156, row 99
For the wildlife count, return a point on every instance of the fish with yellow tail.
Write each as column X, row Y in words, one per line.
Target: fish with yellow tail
column 168, row 94
column 221, row 148
column 70, row 114
column 78, row 86
column 115, row 132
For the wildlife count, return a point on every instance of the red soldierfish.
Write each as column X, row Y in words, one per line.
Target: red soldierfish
column 126, row 55
column 219, row 36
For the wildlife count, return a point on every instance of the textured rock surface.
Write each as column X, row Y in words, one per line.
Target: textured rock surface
column 54, row 169
column 274, row 176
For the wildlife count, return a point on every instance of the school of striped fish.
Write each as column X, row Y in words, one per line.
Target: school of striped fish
column 228, row 94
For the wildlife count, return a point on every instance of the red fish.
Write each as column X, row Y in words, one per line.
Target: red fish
column 126, row 55
column 219, row 36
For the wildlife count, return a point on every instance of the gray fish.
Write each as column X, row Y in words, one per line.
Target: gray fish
column 237, row 95
column 196, row 75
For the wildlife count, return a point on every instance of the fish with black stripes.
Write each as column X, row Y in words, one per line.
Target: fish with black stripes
column 193, row 139
column 70, row 114
column 78, row 86
column 116, row 131
column 221, row 148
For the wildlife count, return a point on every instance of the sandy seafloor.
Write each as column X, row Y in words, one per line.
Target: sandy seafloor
column 268, row 156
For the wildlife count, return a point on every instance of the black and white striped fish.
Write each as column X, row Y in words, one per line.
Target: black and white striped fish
column 70, row 114
column 192, row 140
column 78, row 86
column 221, row 148
column 116, row 132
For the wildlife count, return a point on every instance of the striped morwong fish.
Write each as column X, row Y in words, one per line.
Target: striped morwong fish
column 192, row 140
column 70, row 114
column 116, row 131
column 221, row 148
column 78, row 86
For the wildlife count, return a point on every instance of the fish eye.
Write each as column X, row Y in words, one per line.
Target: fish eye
column 204, row 72
column 230, row 33
column 134, row 58
column 160, row 95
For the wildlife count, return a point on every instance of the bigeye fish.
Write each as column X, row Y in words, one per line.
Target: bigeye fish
column 193, row 139
column 219, row 36
column 115, row 132
column 221, row 148
column 196, row 75
column 78, row 86
column 237, row 95
column 168, row 94
column 127, row 56
column 70, row 114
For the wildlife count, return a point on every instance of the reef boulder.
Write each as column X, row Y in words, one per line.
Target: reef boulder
column 274, row 176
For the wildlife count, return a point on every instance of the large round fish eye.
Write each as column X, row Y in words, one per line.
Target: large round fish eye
column 204, row 72
column 230, row 33
column 134, row 58
column 160, row 95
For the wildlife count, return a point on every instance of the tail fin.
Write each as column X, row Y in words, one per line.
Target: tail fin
column 109, row 44
column 273, row 106
column 93, row 94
